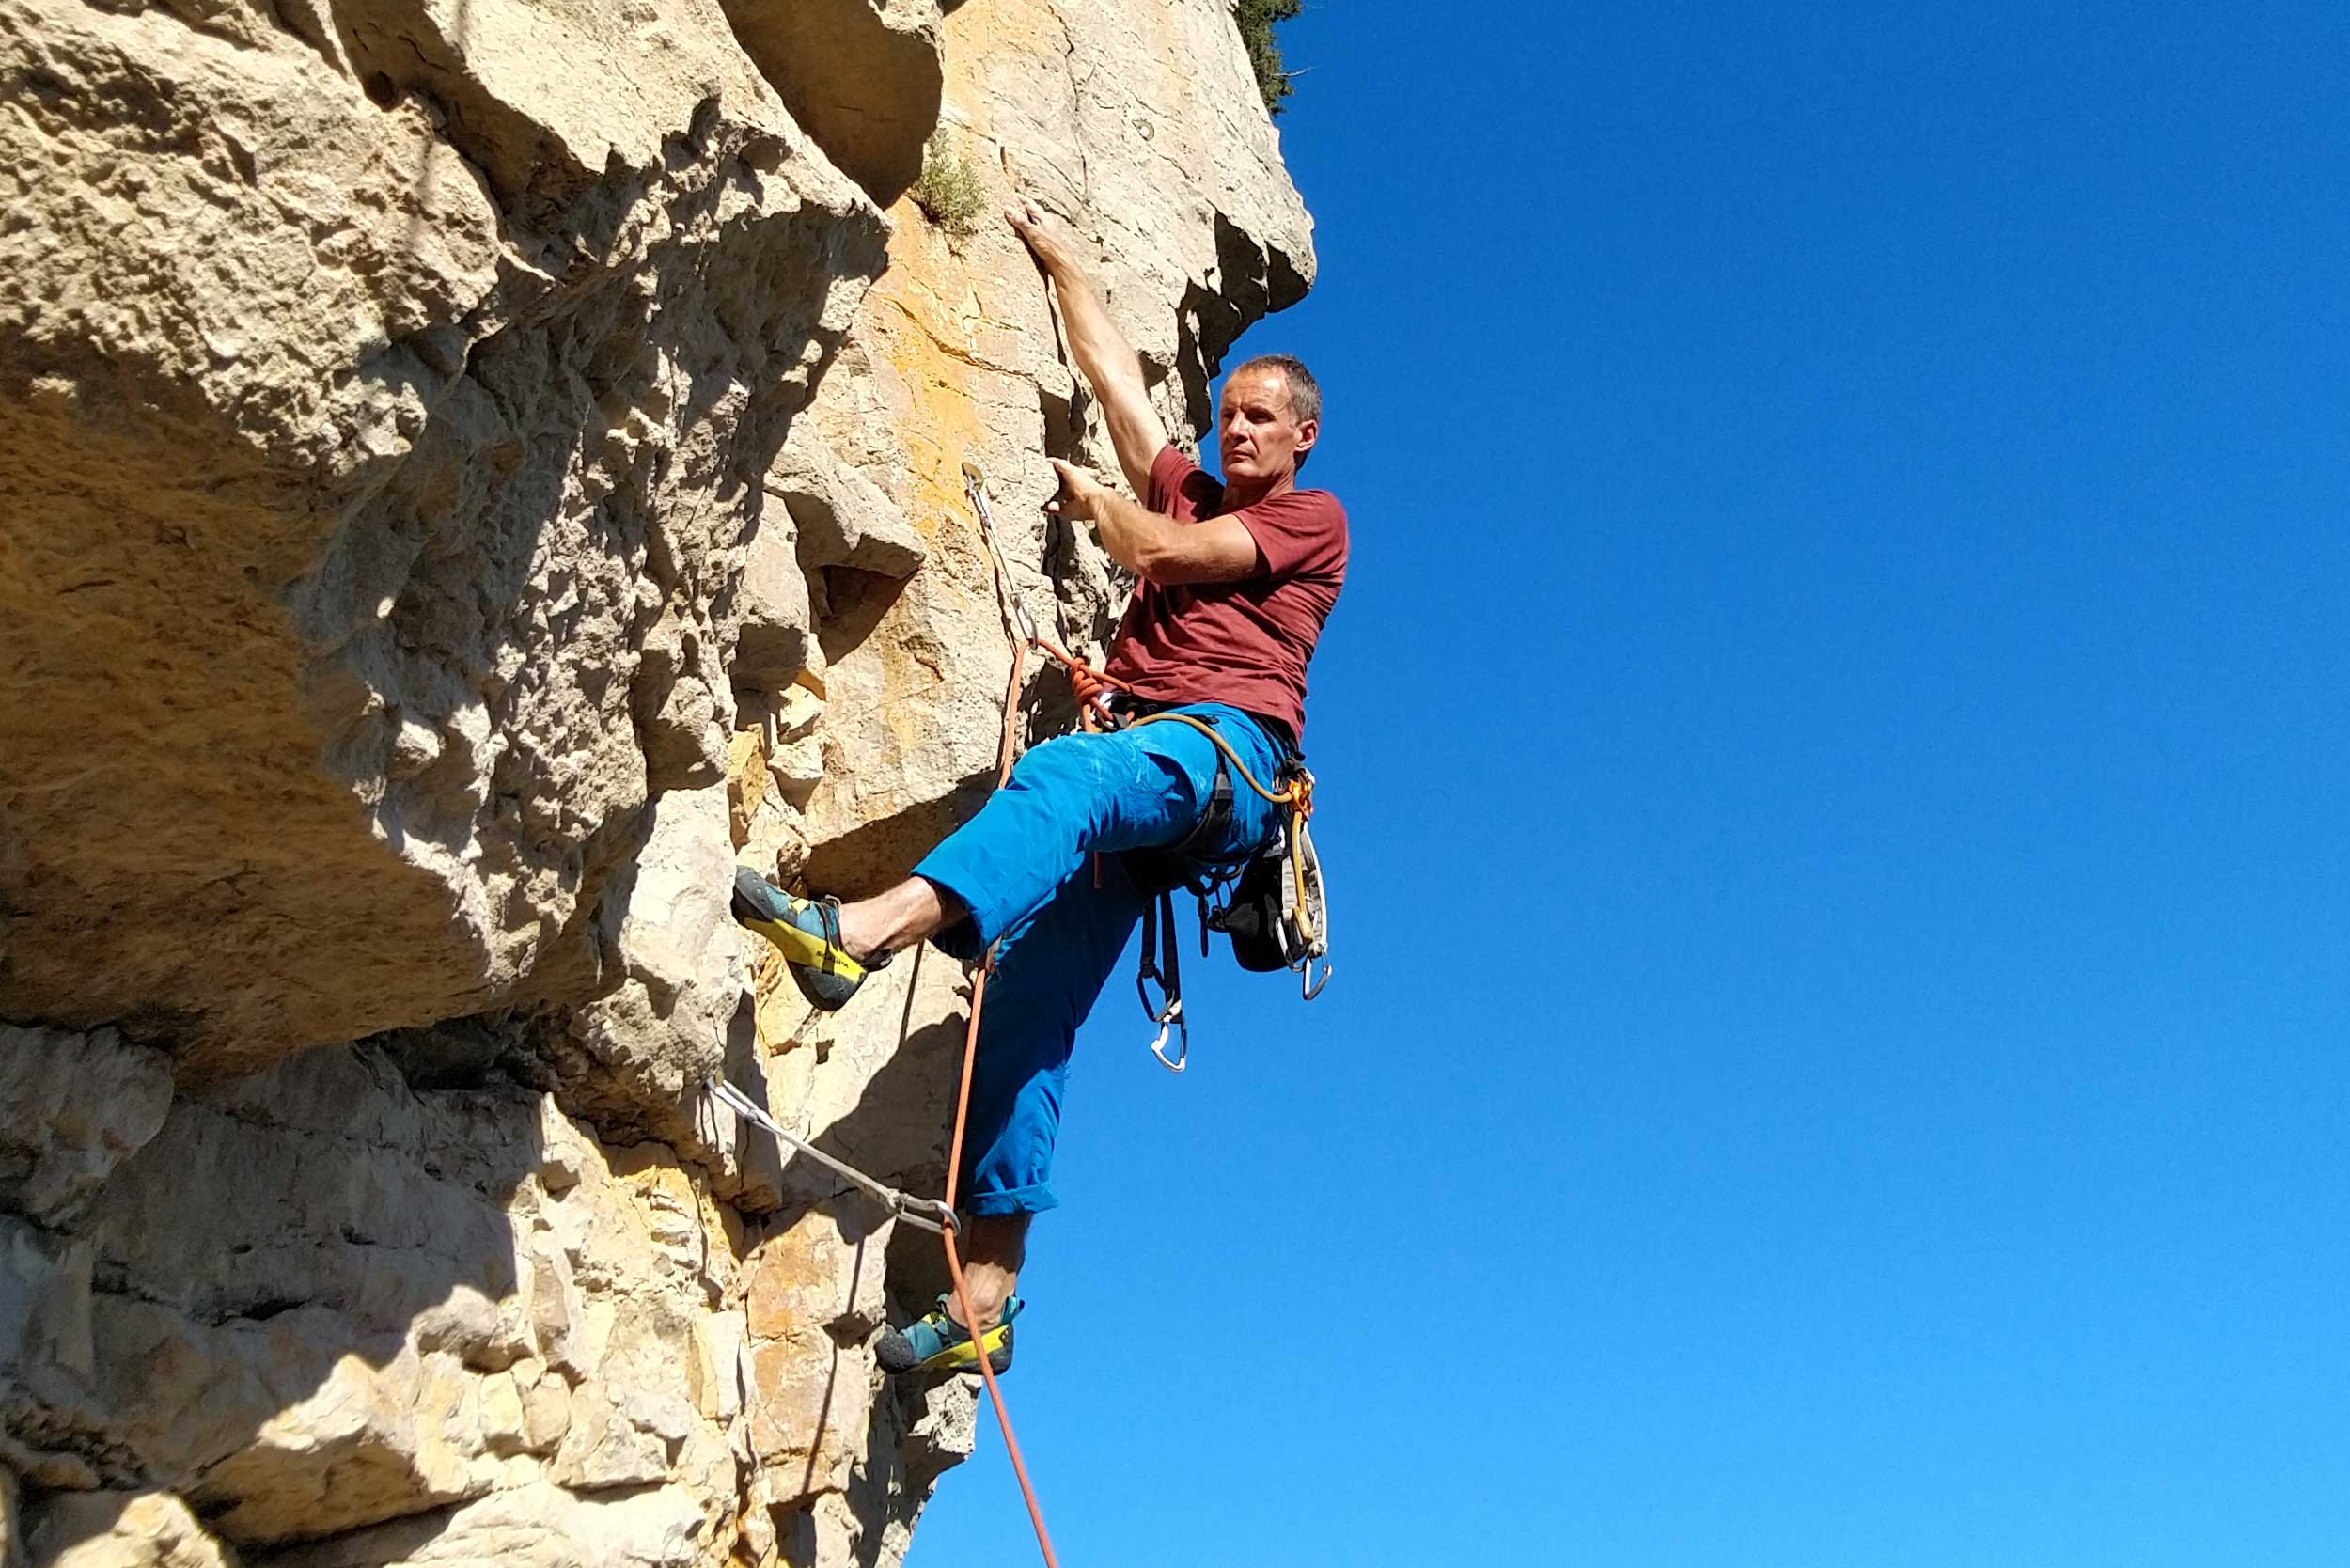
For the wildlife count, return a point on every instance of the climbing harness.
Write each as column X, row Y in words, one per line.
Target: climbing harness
column 1276, row 904
column 1156, row 874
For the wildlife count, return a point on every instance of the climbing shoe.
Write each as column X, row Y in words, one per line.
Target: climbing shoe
column 808, row 932
column 938, row 1343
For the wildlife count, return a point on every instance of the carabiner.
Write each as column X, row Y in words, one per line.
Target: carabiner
column 1308, row 986
column 975, row 486
column 1172, row 1019
column 930, row 1214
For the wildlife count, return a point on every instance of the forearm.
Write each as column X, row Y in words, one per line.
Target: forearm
column 1137, row 539
column 1104, row 358
column 1153, row 545
column 1112, row 368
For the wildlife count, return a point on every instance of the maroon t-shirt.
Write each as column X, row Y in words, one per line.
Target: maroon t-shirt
column 1243, row 643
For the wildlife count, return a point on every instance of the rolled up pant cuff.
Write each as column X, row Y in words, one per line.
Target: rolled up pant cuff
column 960, row 939
column 1011, row 1200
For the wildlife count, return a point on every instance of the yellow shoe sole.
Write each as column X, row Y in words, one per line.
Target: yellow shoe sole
column 808, row 951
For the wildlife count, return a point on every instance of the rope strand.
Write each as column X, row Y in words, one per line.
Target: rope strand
column 954, row 1152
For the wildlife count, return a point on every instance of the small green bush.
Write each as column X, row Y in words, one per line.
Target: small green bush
column 1256, row 19
column 948, row 190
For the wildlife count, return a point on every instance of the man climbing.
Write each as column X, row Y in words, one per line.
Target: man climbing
column 1236, row 580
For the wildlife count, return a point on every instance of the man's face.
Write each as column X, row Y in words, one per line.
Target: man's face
column 1256, row 435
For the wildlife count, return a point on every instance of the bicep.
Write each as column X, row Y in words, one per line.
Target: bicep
column 1213, row 550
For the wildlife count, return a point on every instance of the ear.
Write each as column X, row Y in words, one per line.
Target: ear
column 1309, row 431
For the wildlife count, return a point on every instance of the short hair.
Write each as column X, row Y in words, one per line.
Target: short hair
column 1305, row 392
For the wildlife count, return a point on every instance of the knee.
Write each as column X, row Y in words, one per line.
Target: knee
column 1061, row 756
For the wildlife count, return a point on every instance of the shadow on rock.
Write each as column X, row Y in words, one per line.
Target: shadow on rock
column 351, row 1288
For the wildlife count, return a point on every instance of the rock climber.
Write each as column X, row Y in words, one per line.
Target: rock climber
column 1236, row 580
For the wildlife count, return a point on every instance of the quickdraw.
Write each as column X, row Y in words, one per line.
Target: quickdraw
column 928, row 1214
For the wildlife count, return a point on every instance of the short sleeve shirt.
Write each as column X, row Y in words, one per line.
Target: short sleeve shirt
column 1246, row 643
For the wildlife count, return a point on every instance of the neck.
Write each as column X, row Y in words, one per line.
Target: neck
column 1247, row 492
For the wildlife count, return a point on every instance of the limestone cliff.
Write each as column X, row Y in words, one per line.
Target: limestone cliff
column 472, row 472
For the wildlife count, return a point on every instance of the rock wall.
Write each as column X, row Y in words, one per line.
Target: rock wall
column 472, row 472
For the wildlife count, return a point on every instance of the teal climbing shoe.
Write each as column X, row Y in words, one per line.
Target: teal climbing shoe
column 808, row 932
column 937, row 1343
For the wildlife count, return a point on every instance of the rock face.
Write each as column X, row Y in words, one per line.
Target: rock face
column 472, row 472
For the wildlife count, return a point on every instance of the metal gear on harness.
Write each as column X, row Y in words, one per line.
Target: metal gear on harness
column 1305, row 912
column 1164, row 970
column 1277, row 914
column 1276, row 905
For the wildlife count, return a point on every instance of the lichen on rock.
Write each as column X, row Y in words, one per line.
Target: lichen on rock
column 472, row 472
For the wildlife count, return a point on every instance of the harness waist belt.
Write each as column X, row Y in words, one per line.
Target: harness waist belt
column 1284, row 740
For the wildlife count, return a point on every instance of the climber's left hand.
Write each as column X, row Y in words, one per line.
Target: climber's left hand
column 1080, row 495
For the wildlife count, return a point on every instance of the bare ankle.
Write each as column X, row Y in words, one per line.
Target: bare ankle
column 989, row 1307
column 857, row 929
column 909, row 913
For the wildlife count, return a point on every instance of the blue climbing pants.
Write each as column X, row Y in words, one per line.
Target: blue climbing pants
column 1023, row 869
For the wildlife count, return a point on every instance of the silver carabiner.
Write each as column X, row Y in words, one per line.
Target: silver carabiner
column 1309, row 987
column 1172, row 1019
column 932, row 1214
column 975, row 486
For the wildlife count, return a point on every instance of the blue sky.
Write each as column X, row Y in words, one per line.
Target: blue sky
column 1834, row 774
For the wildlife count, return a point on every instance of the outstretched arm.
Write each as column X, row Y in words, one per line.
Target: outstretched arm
column 1106, row 360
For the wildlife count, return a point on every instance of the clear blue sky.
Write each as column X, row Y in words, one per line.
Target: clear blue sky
column 1835, row 772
